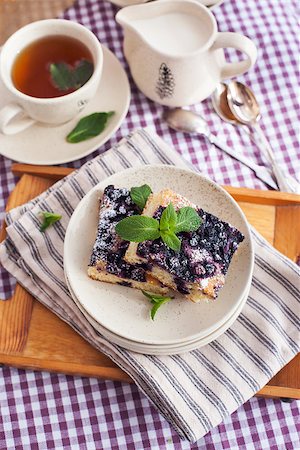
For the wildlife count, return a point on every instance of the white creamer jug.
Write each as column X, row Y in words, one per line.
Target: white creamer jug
column 174, row 50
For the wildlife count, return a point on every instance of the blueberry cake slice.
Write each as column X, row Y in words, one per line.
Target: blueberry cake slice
column 107, row 260
column 198, row 270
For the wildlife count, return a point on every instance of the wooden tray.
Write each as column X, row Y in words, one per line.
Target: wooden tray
column 33, row 337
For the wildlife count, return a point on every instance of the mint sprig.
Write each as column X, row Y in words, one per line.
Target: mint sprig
column 156, row 300
column 139, row 195
column 49, row 219
column 143, row 228
column 65, row 77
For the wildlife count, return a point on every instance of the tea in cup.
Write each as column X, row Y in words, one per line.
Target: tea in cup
column 51, row 70
column 175, row 52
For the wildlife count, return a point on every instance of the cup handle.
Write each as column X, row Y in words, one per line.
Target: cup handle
column 239, row 42
column 13, row 119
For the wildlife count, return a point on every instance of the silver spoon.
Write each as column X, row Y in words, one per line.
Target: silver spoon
column 221, row 107
column 192, row 123
column 220, row 104
column 245, row 108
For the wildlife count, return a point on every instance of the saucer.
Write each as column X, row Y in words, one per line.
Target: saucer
column 46, row 145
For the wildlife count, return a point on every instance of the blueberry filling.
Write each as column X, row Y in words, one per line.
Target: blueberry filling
column 181, row 286
column 124, row 283
column 109, row 248
column 204, row 253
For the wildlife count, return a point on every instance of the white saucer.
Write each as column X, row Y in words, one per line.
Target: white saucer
column 123, row 311
column 46, row 145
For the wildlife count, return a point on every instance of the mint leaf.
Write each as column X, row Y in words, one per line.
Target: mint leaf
column 168, row 219
column 138, row 228
column 157, row 301
column 171, row 240
column 157, row 306
column 155, row 298
column 65, row 77
column 187, row 220
column 49, row 219
column 82, row 72
column 89, row 127
column 139, row 195
column 62, row 76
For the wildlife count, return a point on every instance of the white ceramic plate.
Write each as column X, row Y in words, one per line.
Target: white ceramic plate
column 161, row 349
column 124, row 311
column 46, row 145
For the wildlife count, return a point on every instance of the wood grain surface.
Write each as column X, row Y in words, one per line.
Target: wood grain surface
column 33, row 337
column 15, row 314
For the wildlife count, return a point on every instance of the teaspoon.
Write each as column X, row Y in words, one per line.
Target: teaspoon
column 245, row 109
column 220, row 104
column 190, row 122
column 221, row 107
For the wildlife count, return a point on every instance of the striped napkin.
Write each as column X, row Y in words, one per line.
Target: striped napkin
column 194, row 391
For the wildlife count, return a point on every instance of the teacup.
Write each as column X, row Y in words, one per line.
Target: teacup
column 24, row 110
column 175, row 52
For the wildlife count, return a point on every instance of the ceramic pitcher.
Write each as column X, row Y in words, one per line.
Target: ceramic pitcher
column 175, row 52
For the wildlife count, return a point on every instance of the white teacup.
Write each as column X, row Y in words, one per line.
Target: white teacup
column 24, row 110
column 175, row 52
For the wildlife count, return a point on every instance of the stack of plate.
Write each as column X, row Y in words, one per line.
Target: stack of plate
column 121, row 314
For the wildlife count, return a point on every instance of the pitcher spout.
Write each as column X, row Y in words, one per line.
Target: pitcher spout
column 126, row 17
column 129, row 16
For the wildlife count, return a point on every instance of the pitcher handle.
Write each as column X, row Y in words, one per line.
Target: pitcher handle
column 239, row 42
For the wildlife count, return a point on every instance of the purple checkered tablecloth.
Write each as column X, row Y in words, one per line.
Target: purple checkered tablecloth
column 47, row 411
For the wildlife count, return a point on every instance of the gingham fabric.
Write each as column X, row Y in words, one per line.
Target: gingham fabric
column 195, row 391
column 260, row 423
column 42, row 411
